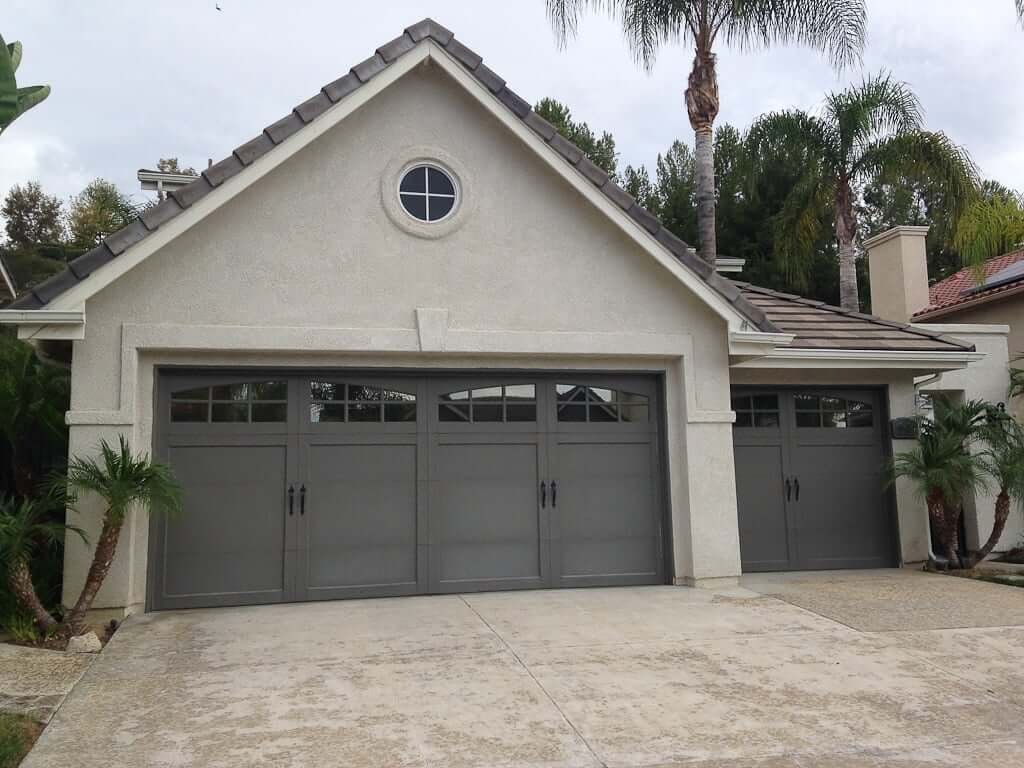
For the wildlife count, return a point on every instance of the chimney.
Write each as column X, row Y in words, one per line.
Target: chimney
column 898, row 269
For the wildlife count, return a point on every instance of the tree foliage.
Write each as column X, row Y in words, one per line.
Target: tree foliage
column 170, row 165
column 97, row 211
column 31, row 216
column 992, row 225
column 599, row 149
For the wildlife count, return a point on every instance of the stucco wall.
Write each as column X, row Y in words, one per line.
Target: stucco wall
column 305, row 268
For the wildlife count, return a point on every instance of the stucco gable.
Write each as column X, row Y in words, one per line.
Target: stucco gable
column 335, row 101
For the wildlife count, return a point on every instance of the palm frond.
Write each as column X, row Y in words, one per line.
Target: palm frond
column 26, row 523
column 835, row 27
column 123, row 479
column 879, row 105
column 989, row 227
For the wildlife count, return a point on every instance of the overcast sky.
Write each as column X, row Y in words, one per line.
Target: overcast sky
column 136, row 80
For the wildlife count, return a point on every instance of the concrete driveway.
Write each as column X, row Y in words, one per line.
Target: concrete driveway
column 830, row 669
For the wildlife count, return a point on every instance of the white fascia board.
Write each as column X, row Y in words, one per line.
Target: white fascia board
column 952, row 329
column 586, row 188
column 41, row 317
column 757, row 343
column 862, row 358
column 112, row 270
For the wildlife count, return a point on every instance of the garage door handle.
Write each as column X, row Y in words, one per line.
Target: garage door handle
column 554, row 493
column 789, row 489
column 543, row 494
column 796, row 487
column 291, row 499
column 302, row 499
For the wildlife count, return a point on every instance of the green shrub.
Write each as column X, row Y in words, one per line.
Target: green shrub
column 17, row 735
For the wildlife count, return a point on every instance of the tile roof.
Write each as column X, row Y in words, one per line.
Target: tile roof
column 332, row 93
column 965, row 288
column 821, row 326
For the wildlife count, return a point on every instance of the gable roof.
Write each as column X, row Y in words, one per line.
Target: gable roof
column 821, row 326
column 999, row 277
column 331, row 94
column 8, row 290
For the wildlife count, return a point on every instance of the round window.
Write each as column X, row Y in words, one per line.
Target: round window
column 427, row 193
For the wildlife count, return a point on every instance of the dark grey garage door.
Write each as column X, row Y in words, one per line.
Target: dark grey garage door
column 332, row 485
column 810, row 480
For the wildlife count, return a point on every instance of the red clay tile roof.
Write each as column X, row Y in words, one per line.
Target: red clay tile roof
column 957, row 289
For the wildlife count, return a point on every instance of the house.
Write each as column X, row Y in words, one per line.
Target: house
column 8, row 291
column 979, row 314
column 409, row 340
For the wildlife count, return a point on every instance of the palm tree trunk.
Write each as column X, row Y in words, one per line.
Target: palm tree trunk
column 19, row 579
column 106, row 547
column 702, row 109
column 936, row 513
column 1002, row 513
column 846, row 224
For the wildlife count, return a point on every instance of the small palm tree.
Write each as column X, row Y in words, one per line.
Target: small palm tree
column 835, row 27
column 122, row 480
column 944, row 470
column 25, row 526
column 867, row 132
column 1004, row 461
column 15, row 101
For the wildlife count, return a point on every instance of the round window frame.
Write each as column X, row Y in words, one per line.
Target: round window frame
column 403, row 162
column 448, row 175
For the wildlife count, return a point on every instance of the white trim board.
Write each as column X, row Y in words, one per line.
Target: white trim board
column 862, row 358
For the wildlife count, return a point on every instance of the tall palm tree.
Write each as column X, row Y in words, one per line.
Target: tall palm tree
column 1004, row 461
column 122, row 480
column 15, row 101
column 835, row 27
column 869, row 131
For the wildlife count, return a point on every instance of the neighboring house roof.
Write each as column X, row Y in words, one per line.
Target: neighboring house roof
column 8, row 291
column 308, row 111
column 998, row 278
column 821, row 326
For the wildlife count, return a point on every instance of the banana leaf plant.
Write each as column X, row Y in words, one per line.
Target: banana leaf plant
column 15, row 101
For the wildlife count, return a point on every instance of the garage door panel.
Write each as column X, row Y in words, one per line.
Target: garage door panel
column 360, row 522
column 230, row 538
column 485, row 519
column 760, row 497
column 605, row 515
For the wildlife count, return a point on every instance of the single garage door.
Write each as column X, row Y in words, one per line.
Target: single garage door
column 810, row 480
column 330, row 485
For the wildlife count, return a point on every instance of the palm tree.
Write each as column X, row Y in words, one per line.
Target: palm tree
column 867, row 132
column 122, row 480
column 33, row 399
column 944, row 470
column 25, row 525
column 835, row 27
column 1004, row 462
column 15, row 101
column 990, row 226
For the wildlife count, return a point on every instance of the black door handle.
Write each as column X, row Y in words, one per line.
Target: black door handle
column 291, row 500
column 543, row 494
column 302, row 499
column 554, row 493
column 796, row 487
column 789, row 489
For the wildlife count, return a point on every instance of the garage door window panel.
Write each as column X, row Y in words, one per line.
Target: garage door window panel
column 244, row 402
column 585, row 404
column 502, row 404
column 356, row 403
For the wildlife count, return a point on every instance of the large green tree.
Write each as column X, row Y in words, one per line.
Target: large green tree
column 599, row 149
column 992, row 225
column 868, row 132
column 15, row 101
column 31, row 216
column 835, row 27
column 97, row 211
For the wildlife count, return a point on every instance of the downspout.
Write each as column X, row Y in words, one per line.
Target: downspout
column 932, row 379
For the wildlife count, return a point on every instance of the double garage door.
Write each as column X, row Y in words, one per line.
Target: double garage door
column 330, row 485
column 811, row 480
